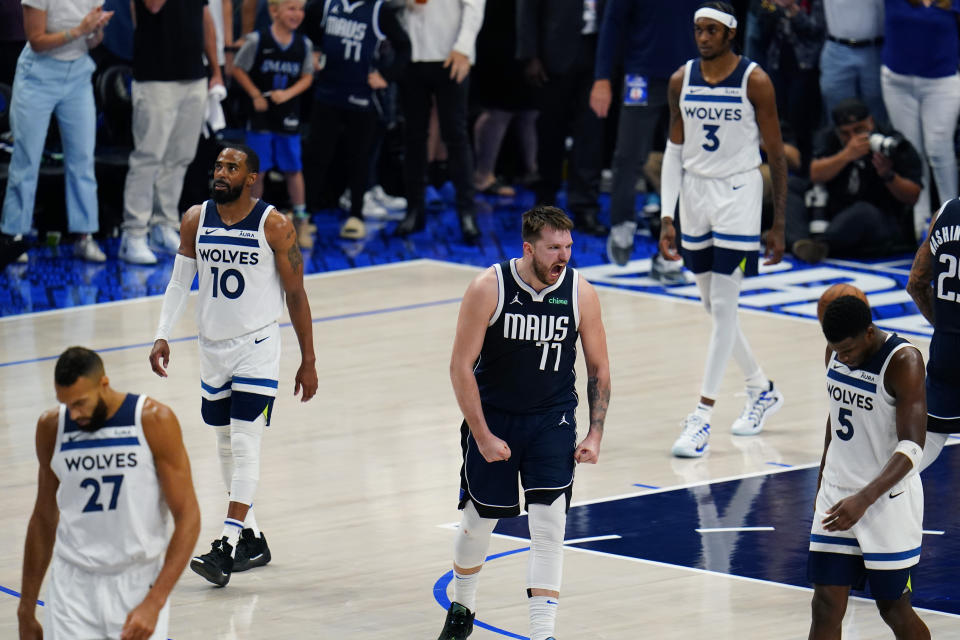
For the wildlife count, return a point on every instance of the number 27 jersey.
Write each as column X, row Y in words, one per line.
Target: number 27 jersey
column 240, row 290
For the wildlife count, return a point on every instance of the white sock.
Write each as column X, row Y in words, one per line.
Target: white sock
column 543, row 616
column 231, row 531
column 705, row 411
column 465, row 589
column 250, row 522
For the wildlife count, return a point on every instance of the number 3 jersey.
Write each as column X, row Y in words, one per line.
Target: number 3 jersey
column 863, row 420
column 112, row 510
column 528, row 354
column 720, row 133
column 240, row 290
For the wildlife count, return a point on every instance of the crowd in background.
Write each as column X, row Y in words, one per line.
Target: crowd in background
column 381, row 106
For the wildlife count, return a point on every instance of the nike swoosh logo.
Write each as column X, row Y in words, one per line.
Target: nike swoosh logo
column 836, row 366
column 893, row 495
column 207, row 232
column 551, row 602
column 261, row 340
column 740, row 187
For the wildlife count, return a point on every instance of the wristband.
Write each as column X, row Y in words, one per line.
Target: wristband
column 912, row 450
column 67, row 36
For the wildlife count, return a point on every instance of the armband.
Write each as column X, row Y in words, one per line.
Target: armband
column 912, row 450
column 184, row 269
column 671, row 177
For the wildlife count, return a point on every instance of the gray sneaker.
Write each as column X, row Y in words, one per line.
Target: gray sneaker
column 667, row 272
column 88, row 249
column 620, row 242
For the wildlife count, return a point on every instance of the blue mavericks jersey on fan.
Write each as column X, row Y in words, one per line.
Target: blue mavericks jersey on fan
column 720, row 133
column 529, row 350
column 351, row 35
column 278, row 67
column 112, row 511
column 863, row 418
column 240, row 289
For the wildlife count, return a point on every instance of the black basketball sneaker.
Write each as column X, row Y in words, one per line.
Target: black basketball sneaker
column 252, row 552
column 459, row 623
column 217, row 565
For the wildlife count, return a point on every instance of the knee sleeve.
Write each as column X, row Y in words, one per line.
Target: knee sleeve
column 473, row 538
column 547, row 524
column 245, row 443
column 703, row 284
column 225, row 454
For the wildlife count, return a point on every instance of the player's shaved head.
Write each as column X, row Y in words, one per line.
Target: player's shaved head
column 77, row 362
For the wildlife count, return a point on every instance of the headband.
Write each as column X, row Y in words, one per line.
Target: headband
column 723, row 18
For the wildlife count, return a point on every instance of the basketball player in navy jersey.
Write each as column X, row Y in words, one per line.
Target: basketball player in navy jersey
column 867, row 523
column 112, row 466
column 246, row 255
column 513, row 374
column 721, row 105
column 936, row 262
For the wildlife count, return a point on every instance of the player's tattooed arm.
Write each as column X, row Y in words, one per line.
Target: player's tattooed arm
column 295, row 257
column 598, row 399
column 921, row 275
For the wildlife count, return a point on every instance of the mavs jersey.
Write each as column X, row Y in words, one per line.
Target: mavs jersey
column 720, row 133
column 862, row 418
column 277, row 67
column 351, row 35
column 526, row 363
column 943, row 374
column 240, row 289
column 112, row 511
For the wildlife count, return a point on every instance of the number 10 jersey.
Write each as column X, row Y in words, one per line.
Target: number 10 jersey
column 240, row 290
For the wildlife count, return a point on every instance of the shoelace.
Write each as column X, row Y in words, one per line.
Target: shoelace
column 755, row 409
column 697, row 429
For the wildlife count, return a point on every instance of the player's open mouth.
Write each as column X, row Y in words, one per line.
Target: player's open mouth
column 220, row 185
column 556, row 270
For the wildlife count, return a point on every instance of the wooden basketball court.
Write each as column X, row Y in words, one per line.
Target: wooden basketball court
column 357, row 484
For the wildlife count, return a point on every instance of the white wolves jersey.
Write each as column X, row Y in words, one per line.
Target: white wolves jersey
column 720, row 133
column 240, row 289
column 863, row 418
column 112, row 511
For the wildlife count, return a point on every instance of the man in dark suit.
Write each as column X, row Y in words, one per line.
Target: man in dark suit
column 557, row 42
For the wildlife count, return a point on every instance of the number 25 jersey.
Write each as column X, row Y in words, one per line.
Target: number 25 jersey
column 240, row 290
column 720, row 133
column 529, row 350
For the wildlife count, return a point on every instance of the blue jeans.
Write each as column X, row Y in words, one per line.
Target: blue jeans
column 43, row 86
column 846, row 72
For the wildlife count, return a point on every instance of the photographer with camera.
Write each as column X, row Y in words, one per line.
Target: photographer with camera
column 871, row 177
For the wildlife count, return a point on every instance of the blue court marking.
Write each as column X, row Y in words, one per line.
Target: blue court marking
column 342, row 316
column 780, row 464
column 440, row 594
column 645, row 486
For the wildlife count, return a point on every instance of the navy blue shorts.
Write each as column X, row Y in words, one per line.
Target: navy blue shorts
column 541, row 452
column 841, row 569
column 720, row 260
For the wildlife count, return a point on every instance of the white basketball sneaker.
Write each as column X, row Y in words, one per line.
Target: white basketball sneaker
column 759, row 406
column 693, row 440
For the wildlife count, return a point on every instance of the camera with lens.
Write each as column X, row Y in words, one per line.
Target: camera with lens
column 884, row 144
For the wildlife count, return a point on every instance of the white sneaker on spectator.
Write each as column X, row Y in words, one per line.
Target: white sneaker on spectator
column 165, row 239
column 345, row 200
column 24, row 258
column 134, row 249
column 88, row 249
column 372, row 208
column 397, row 203
column 694, row 438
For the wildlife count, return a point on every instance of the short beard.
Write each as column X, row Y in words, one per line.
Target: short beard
column 541, row 271
column 97, row 420
column 232, row 194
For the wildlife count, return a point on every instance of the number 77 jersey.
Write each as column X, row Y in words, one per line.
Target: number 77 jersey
column 720, row 133
column 863, row 418
column 530, row 347
column 239, row 287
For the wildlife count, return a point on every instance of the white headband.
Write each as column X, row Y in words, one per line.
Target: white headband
column 723, row 18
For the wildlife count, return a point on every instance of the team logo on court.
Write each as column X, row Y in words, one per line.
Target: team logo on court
column 516, row 299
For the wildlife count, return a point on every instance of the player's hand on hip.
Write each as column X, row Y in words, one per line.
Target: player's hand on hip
column 775, row 246
column 668, row 241
column 588, row 451
column 493, row 449
column 307, row 381
column 160, row 354
column 140, row 622
column 846, row 513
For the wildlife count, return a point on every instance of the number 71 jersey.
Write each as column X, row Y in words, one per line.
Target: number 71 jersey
column 720, row 133
column 239, row 287
column 112, row 511
column 863, row 418
column 530, row 347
